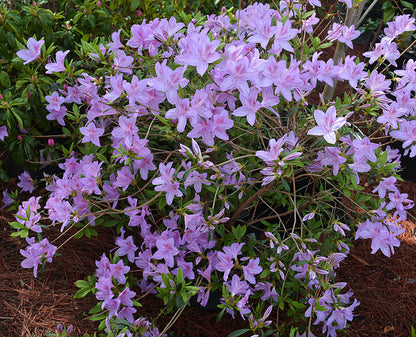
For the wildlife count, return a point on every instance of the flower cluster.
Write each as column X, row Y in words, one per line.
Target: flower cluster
column 36, row 253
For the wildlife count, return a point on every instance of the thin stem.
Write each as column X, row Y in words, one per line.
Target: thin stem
column 247, row 203
column 366, row 13
column 351, row 19
column 172, row 320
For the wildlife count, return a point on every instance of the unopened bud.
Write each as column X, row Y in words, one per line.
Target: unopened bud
column 59, row 328
column 51, row 142
column 267, row 312
column 99, row 3
column 19, row 137
column 142, row 323
column 139, row 13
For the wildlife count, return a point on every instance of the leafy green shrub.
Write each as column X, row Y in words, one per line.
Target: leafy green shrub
column 198, row 143
column 77, row 26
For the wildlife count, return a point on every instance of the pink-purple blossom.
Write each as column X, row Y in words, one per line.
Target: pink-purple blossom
column 328, row 123
column 26, row 182
column 166, row 249
column 32, row 52
column 37, row 253
column 3, row 132
column 91, row 133
column 166, row 182
column 59, row 65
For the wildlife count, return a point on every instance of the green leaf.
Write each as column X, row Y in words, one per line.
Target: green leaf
column 165, row 279
column 101, row 157
column 238, row 332
column 134, row 4
column 406, row 4
column 4, row 176
column 179, row 276
column 82, row 284
column 91, row 20
column 238, row 232
column 285, row 185
column 293, row 331
column 5, row 79
column 264, row 273
column 316, row 41
column 79, row 235
column 388, row 14
column 383, row 159
column 20, row 83
column 111, row 223
column 22, row 233
column 137, row 304
column 98, row 318
column 220, row 314
column 325, row 45
column 85, row 286
column 96, row 309
column 77, row 17
column 11, row 39
column 17, row 225
column 82, row 292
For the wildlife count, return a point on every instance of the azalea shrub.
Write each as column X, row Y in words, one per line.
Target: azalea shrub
column 205, row 145
column 24, row 84
column 71, row 29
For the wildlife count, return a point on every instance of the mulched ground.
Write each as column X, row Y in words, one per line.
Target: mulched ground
column 386, row 287
column 31, row 307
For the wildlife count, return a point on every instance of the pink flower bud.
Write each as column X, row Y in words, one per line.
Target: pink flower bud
column 139, row 13
column 99, row 3
column 51, row 142
column 19, row 137
column 28, row 95
column 35, row 4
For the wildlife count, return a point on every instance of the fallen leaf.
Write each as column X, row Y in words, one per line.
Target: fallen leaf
column 388, row 329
